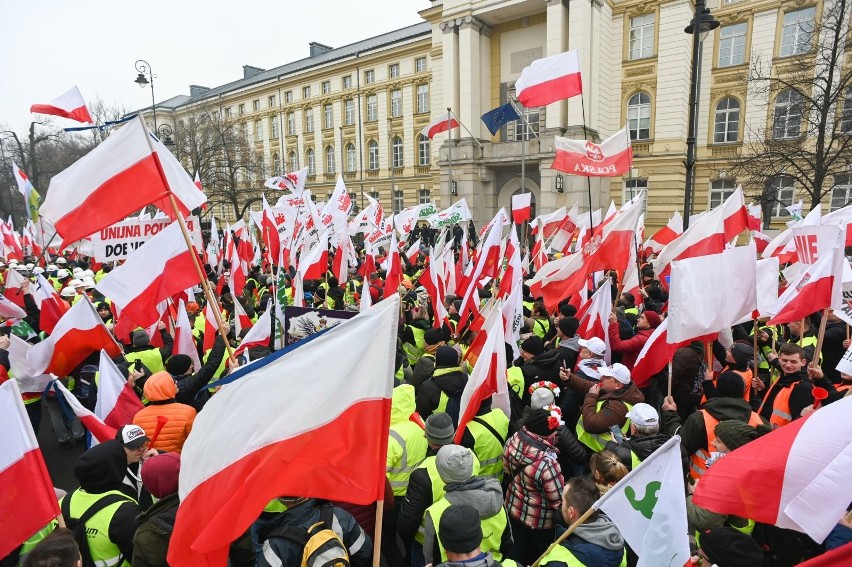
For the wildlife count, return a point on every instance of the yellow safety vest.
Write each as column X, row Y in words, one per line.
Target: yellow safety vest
column 515, row 376
column 486, row 446
column 492, row 529
column 561, row 554
column 416, row 350
column 104, row 552
column 437, row 489
column 407, row 448
column 597, row 441
column 151, row 358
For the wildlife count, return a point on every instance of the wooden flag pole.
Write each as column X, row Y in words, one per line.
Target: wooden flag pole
column 377, row 539
column 820, row 337
column 670, row 380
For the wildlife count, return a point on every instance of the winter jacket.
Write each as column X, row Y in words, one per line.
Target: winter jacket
column 485, row 495
column 544, row 366
column 832, row 349
column 422, row 370
column 595, row 543
column 151, row 542
column 534, row 496
column 571, row 451
column 686, row 365
column 612, row 412
column 365, row 514
column 800, row 398
column 483, row 560
column 642, row 447
column 418, row 497
column 628, row 349
column 451, row 383
column 160, row 389
column 693, row 434
column 191, row 389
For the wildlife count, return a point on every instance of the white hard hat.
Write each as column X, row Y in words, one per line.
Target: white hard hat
column 88, row 274
column 88, row 283
column 38, row 270
column 20, row 267
column 62, row 273
column 68, row 292
column 13, row 262
column 75, row 283
column 52, row 267
column 61, row 261
column 30, row 266
column 77, row 270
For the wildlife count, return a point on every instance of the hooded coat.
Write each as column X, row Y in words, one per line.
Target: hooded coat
column 597, row 543
column 451, row 381
column 534, row 496
column 160, row 389
column 612, row 412
column 693, row 434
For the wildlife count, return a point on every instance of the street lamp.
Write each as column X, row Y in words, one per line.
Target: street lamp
column 701, row 25
column 143, row 67
column 560, row 183
column 165, row 132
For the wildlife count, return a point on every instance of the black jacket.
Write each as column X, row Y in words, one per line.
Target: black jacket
column 191, row 389
column 151, row 542
column 832, row 349
column 693, row 434
column 412, row 508
column 429, row 396
column 800, row 398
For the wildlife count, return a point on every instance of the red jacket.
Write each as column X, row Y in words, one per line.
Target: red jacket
column 628, row 349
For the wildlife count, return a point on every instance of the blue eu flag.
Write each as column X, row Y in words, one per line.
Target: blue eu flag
column 495, row 119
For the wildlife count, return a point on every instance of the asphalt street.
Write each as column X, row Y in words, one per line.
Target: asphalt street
column 60, row 460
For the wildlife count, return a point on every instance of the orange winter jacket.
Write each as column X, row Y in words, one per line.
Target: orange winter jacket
column 160, row 389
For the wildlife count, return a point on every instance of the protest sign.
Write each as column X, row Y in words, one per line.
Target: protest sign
column 118, row 241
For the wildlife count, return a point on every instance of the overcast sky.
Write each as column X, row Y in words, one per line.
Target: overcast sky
column 47, row 46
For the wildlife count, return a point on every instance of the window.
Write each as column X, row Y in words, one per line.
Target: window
column 276, row 163
column 349, row 112
column 642, row 36
column 422, row 98
column 633, row 186
column 398, row 201
column 227, row 112
column 312, row 162
column 372, row 108
column 396, row 152
column 270, row 101
column 306, row 92
column 244, row 130
column 841, row 193
column 347, row 82
column 261, row 166
column 291, row 123
column 423, row 150
column 639, row 116
column 294, row 161
column 374, row 195
column 273, row 126
column 787, row 120
column 782, row 191
column 309, row 120
column 393, row 71
column 720, row 190
column 328, row 116
column 419, row 64
column 424, row 196
column 372, row 155
column 732, row 42
column 255, row 105
column 396, row 103
column 241, row 109
column 846, row 115
column 288, row 96
column 369, row 77
column 329, row 159
column 326, row 87
column 350, row 157
column 727, row 124
column 796, row 32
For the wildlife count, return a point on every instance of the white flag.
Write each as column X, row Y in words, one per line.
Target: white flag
column 649, row 508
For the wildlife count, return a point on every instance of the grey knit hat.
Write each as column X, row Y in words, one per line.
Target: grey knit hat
column 454, row 463
column 439, row 429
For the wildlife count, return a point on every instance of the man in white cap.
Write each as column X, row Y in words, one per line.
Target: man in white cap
column 644, row 436
column 590, row 359
column 605, row 404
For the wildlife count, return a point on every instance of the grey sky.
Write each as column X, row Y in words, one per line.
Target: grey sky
column 48, row 46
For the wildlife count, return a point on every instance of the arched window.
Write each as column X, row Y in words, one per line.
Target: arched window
column 396, row 152
column 312, row 162
column 350, row 157
column 639, row 116
column 372, row 155
column 783, row 191
column 276, row 163
column 329, row 159
column 727, row 124
column 423, row 150
column 293, row 160
column 787, row 121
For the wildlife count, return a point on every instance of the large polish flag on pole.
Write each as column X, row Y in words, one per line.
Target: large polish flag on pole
column 326, row 425
column 816, row 288
column 117, row 403
column 27, row 500
column 96, row 426
column 443, row 123
column 795, row 477
column 69, row 105
column 610, row 158
column 129, row 170
column 157, row 270
column 79, row 333
column 550, row 79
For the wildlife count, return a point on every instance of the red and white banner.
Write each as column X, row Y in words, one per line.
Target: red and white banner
column 550, row 79
column 665, row 235
column 117, row 403
column 260, row 423
column 443, row 123
column 68, row 105
column 610, row 158
column 521, row 207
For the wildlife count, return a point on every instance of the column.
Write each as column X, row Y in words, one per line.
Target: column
column 470, row 86
column 557, row 42
column 451, row 66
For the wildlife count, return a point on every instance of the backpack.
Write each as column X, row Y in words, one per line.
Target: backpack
column 78, row 525
column 321, row 546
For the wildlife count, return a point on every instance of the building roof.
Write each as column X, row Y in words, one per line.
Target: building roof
column 403, row 34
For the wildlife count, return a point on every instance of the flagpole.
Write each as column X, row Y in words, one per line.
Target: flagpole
column 475, row 139
column 820, row 337
column 377, row 539
column 450, row 151
column 524, row 137
column 588, row 179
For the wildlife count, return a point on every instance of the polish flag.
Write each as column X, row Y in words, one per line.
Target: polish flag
column 735, row 213
column 794, row 478
column 184, row 342
column 210, row 329
column 99, row 430
column 443, row 123
column 157, row 270
column 127, row 171
column 521, row 207
column 197, row 181
column 783, row 246
column 665, row 235
column 10, row 310
column 294, row 181
column 259, row 333
column 550, row 224
column 343, row 258
column 69, row 105
column 705, row 236
column 433, row 282
column 269, row 228
column 241, row 318
column 655, row 354
column 488, row 378
column 366, row 301
column 486, row 265
column 313, row 260
column 117, row 402
column 28, row 381
column 610, row 158
column 594, row 320
column 610, row 248
column 413, row 251
column 260, row 423
column 512, row 276
column 550, row 79
column 558, row 279
column 755, row 217
column 393, row 268
column 816, row 288
column 761, row 241
column 27, row 501
column 79, row 333
column 843, row 219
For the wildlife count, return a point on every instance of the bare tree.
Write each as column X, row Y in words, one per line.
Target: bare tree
column 809, row 96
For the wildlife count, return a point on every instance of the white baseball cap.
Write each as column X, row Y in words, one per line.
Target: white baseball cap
column 643, row 414
column 595, row 345
column 617, row 371
column 133, row 436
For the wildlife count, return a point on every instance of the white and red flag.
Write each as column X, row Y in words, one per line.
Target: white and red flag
column 210, row 327
column 665, row 235
column 99, row 430
column 486, row 265
column 558, row 279
column 816, row 288
column 610, row 248
column 735, row 214
column 550, row 79
column 521, row 207
column 294, row 181
column 654, row 356
column 241, row 319
column 157, row 270
column 795, row 477
column 51, row 306
column 443, row 123
column 704, row 236
column 594, row 319
column 393, row 268
column 259, row 333
column 343, row 258
column 27, row 500
column 610, row 158
column 68, row 105
column 117, row 402
column 127, row 171
column 413, row 251
column 755, row 217
column 339, row 383
column 79, row 333
column 10, row 310
column 184, row 342
column 512, row 276
column 313, row 260
column 760, row 241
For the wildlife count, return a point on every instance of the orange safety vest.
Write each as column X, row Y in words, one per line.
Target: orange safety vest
column 780, row 407
column 698, row 461
column 745, row 375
